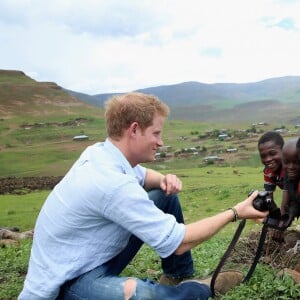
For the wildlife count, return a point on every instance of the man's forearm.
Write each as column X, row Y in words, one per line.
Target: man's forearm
column 152, row 179
column 202, row 230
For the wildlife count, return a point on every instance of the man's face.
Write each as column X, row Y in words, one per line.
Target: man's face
column 149, row 140
column 270, row 155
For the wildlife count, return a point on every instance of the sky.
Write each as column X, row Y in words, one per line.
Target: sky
column 110, row 46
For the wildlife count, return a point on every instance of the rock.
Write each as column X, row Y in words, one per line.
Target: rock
column 291, row 237
column 297, row 267
column 294, row 274
column 17, row 236
column 8, row 242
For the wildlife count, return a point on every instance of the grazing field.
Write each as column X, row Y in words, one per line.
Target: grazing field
column 33, row 147
column 207, row 190
column 37, row 130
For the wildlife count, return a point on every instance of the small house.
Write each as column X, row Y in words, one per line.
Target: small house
column 223, row 137
column 82, row 137
column 231, row 150
column 211, row 158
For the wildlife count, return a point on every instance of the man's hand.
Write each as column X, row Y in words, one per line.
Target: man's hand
column 171, row 184
column 246, row 210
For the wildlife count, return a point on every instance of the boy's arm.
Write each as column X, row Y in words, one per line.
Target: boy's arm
column 285, row 197
column 285, row 202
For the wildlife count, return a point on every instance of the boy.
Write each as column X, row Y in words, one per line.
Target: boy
column 270, row 146
column 270, row 150
column 290, row 207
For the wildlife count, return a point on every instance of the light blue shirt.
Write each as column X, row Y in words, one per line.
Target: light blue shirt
column 88, row 218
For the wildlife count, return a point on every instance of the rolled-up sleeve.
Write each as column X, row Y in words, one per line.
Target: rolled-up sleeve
column 131, row 208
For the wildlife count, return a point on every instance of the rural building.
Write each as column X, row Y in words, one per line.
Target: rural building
column 223, row 137
column 231, row 150
column 80, row 137
column 281, row 130
column 211, row 158
column 165, row 148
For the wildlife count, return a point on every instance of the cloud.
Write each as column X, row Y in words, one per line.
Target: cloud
column 98, row 46
column 212, row 52
column 287, row 24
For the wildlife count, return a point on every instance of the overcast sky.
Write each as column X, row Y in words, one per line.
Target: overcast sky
column 99, row 46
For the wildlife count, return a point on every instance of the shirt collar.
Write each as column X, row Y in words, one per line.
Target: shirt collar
column 119, row 157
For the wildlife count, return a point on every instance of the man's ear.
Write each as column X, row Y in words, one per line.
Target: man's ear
column 133, row 127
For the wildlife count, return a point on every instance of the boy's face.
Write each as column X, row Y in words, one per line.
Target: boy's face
column 270, row 155
column 291, row 162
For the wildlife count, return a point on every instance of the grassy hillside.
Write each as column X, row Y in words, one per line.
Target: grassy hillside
column 271, row 111
column 38, row 121
column 37, row 124
column 207, row 191
column 21, row 96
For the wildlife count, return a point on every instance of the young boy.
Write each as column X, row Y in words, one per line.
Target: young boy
column 270, row 150
column 290, row 207
column 270, row 146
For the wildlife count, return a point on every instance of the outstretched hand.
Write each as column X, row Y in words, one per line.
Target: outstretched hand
column 246, row 210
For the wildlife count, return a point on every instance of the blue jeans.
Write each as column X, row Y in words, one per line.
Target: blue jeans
column 104, row 282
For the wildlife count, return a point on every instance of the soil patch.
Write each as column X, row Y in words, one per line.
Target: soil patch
column 22, row 185
column 275, row 254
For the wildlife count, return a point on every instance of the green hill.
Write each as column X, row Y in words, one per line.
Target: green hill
column 38, row 121
column 22, row 96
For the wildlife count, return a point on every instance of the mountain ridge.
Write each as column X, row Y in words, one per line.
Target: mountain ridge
column 286, row 89
column 271, row 100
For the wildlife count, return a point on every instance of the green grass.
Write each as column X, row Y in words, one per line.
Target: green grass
column 52, row 147
column 21, row 210
column 13, row 267
column 207, row 191
column 14, row 78
column 50, row 150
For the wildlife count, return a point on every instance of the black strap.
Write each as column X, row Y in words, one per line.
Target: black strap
column 226, row 254
column 231, row 247
column 260, row 246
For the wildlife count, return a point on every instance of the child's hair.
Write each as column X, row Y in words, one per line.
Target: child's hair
column 298, row 143
column 272, row 136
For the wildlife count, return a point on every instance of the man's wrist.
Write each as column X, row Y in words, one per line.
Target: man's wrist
column 235, row 214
